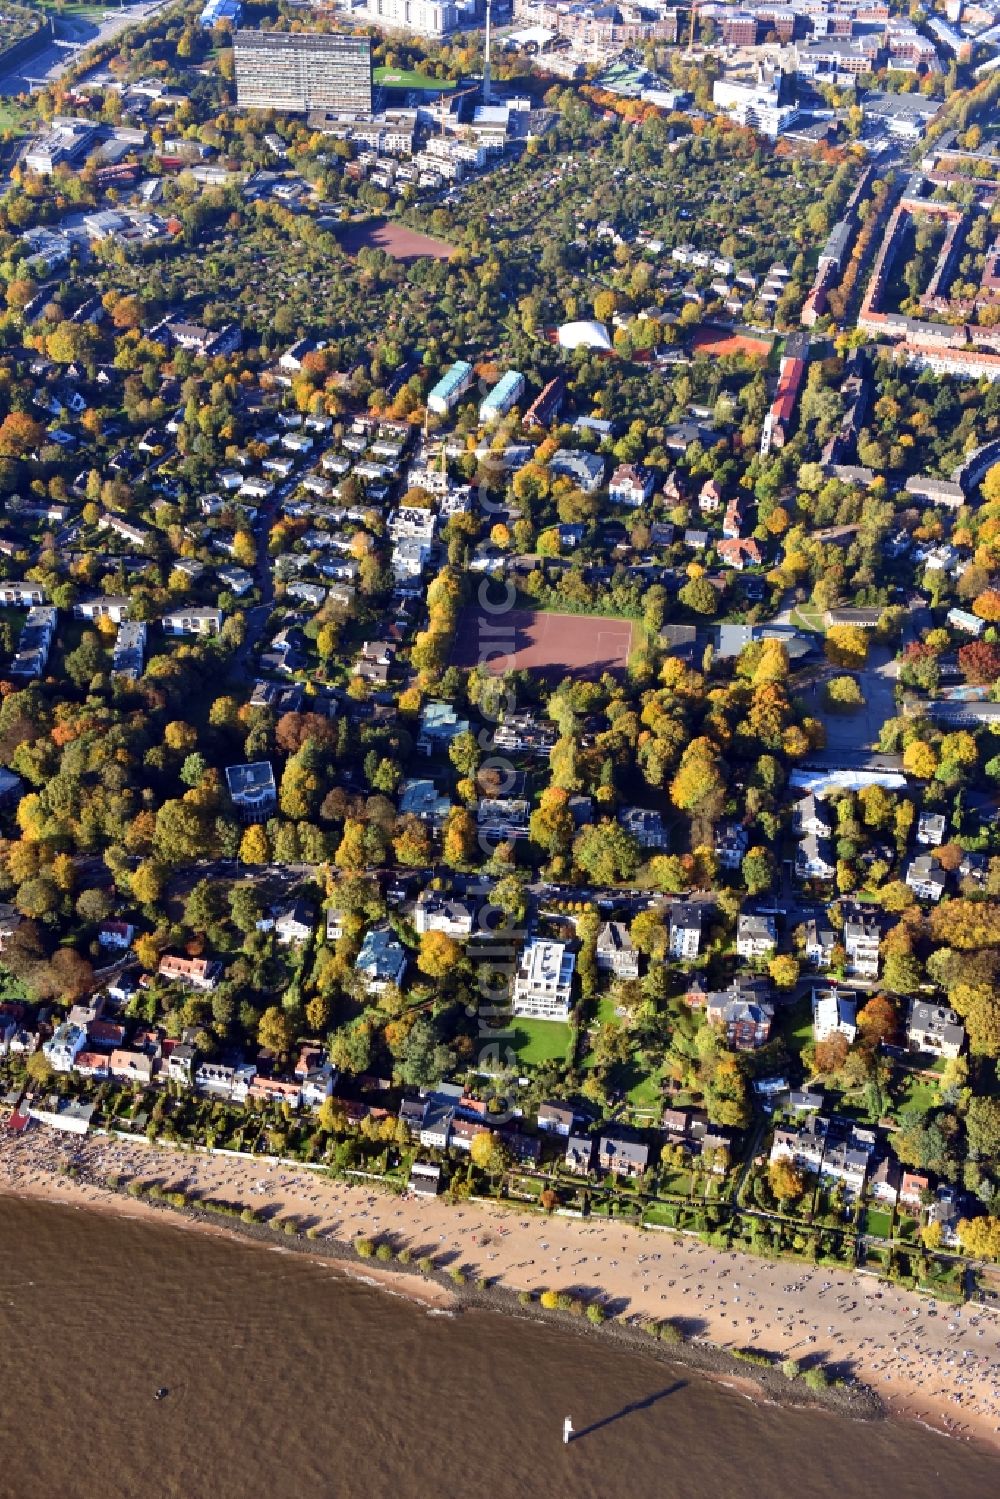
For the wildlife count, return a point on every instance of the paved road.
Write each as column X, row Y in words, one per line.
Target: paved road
column 244, row 659
column 50, row 62
column 93, row 868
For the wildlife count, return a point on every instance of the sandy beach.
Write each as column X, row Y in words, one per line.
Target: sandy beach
column 928, row 1361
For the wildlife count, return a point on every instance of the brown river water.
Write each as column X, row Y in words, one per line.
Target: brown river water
column 286, row 1381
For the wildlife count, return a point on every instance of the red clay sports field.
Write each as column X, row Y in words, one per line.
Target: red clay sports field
column 579, row 645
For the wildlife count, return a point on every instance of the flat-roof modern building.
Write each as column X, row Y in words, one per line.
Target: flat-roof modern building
column 451, row 387
column 502, row 397
column 220, row 12
column 67, row 139
column 252, row 790
column 544, row 981
column 303, row 70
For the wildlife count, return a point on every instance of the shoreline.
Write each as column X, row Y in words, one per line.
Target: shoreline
column 332, row 1254
column 481, row 1238
column 764, row 1385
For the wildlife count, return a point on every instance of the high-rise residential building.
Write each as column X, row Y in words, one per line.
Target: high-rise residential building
column 427, row 17
column 295, row 71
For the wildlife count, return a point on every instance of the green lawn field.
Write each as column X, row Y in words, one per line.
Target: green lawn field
column 407, row 78
column 538, row 1041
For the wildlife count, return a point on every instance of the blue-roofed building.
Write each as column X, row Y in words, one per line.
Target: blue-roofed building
column 382, row 959
column 439, row 725
column 505, row 394
column 421, row 798
column 450, row 388
column 220, row 10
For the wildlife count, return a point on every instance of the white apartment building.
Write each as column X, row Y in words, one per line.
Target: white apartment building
column 833, row 1014
column 544, row 981
column 756, row 936
column 685, row 932
column 65, row 1046
column 861, row 941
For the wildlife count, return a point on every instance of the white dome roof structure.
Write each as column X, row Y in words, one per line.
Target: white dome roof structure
column 586, row 335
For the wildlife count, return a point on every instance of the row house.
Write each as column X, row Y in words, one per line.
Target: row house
column 191, row 621
column 137, row 535
column 831, row 1150
column 35, row 642
column 200, row 973
column 227, row 1081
